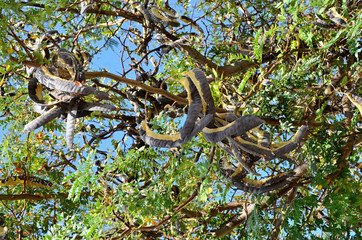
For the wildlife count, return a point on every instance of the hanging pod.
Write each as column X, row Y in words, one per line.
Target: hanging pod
column 65, row 84
column 240, row 138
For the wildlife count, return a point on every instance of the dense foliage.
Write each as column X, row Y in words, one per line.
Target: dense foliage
column 288, row 62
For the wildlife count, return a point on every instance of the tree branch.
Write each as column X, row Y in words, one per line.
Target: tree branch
column 119, row 12
column 215, row 211
column 28, row 196
column 145, row 87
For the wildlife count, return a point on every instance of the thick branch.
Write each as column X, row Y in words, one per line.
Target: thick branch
column 143, row 86
column 138, row 84
column 201, row 59
column 25, row 196
column 28, row 196
column 120, row 13
column 215, row 211
column 240, row 66
column 345, row 152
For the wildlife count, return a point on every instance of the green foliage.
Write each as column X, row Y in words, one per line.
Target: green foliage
column 262, row 58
